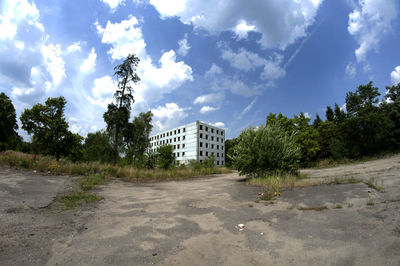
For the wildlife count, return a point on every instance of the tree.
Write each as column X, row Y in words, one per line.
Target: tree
column 97, row 147
column 306, row 139
column 317, row 121
column 137, row 137
column 229, row 150
column 391, row 109
column 165, row 156
column 117, row 114
column 49, row 128
column 8, row 123
column 266, row 149
column 329, row 114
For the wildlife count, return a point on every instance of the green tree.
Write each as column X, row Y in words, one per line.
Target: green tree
column 306, row 139
column 97, row 147
column 165, row 156
column 8, row 123
column 317, row 121
column 329, row 114
column 340, row 115
column 117, row 114
column 229, row 150
column 391, row 109
column 49, row 128
column 266, row 149
column 137, row 137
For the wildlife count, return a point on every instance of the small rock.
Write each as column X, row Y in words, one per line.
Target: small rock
column 154, row 254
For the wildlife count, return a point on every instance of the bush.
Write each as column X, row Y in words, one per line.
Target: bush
column 266, row 149
column 165, row 156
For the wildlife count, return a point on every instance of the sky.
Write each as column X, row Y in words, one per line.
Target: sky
column 228, row 63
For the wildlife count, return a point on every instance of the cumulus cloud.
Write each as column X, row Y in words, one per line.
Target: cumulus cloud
column 209, row 98
column 103, row 91
column 280, row 22
column 113, row 4
column 54, row 62
column 125, row 38
column 369, row 22
column 273, row 70
column 207, row 109
column 218, row 124
column 243, row 59
column 89, row 64
column 168, row 116
column 214, row 70
column 74, row 48
column 395, row 75
column 351, row 69
column 184, row 47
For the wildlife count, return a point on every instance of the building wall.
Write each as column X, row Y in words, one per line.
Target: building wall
column 194, row 141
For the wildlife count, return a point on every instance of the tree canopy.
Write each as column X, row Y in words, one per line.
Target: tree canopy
column 8, row 123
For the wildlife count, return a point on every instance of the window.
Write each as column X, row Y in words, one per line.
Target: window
column 175, row 132
column 222, row 147
column 206, row 136
column 184, row 130
column 217, row 131
column 212, row 153
column 206, row 145
column 222, row 133
column 183, row 137
column 212, row 130
column 201, row 127
column 170, row 133
column 217, row 139
column 206, row 128
column 217, row 147
column 201, row 135
column 222, row 155
column 222, row 163
column 212, row 138
column 167, row 134
column 201, row 144
column 179, row 131
column 167, row 141
column 222, row 140
column 163, row 135
column 217, row 154
column 201, row 153
column 174, row 139
column 201, row 161
column 174, row 147
column 178, row 146
column 170, row 140
column 183, row 146
column 183, row 153
column 212, row 146
column 217, row 162
column 206, row 153
column 179, row 138
column 177, row 154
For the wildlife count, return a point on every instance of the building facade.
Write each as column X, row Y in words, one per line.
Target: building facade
column 194, row 141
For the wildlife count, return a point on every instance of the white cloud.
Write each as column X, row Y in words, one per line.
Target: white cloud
column 214, row 70
column 241, row 30
column 280, row 22
column 307, row 115
column 89, row 64
column 113, row 4
column 209, row 98
column 103, row 91
column 74, row 48
column 184, row 47
column 125, row 37
column 369, row 22
column 207, row 109
column 243, row 60
column 218, row 124
column 168, row 116
column 273, row 70
column 16, row 12
column 395, row 75
column 351, row 69
column 247, row 108
column 54, row 62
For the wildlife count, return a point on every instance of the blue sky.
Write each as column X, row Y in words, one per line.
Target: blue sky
column 226, row 62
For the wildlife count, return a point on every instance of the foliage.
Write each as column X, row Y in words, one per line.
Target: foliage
column 266, row 149
column 97, row 147
column 229, row 151
column 87, row 183
column 117, row 114
column 165, row 156
column 8, row 123
column 74, row 199
column 50, row 129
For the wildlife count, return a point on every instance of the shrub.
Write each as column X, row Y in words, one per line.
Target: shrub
column 165, row 156
column 266, row 149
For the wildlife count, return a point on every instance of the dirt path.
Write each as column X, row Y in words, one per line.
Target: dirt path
column 195, row 222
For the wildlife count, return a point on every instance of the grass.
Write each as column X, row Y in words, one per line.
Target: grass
column 329, row 162
column 373, row 183
column 74, row 199
column 87, row 183
column 46, row 164
column 370, row 202
column 316, row 208
column 338, row 206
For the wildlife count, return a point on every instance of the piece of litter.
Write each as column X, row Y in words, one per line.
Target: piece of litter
column 154, row 254
column 34, row 171
column 261, row 233
column 241, row 227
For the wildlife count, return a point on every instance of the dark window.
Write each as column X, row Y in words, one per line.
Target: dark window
column 212, row 138
column 206, row 153
column 179, row 131
column 222, row 133
column 212, row 130
column 183, row 153
column 217, row 139
column 178, row 146
column 222, row 140
column 217, row 131
column 206, row 128
column 217, row 162
column 217, row 154
column 201, row 127
column 206, row 145
column 163, row 135
column 217, row 147
column 175, row 131
column 212, row 153
column 201, row 135
column 206, row 136
column 183, row 137
column 201, row 161
column 170, row 140
column 177, row 154
column 201, row 153
column 222, row 163
column 183, row 146
column 174, row 139
column 212, row 146
column 222, row 147
column 184, row 130
column 179, row 138
column 201, row 144
column 167, row 134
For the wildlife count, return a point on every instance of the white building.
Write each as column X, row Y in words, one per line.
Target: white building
column 194, row 141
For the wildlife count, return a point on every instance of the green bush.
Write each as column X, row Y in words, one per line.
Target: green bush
column 165, row 156
column 266, row 149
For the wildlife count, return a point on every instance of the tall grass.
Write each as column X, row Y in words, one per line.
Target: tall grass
column 46, row 164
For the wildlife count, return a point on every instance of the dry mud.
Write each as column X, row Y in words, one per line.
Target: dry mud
column 195, row 222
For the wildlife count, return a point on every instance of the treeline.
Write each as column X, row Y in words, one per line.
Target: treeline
column 368, row 125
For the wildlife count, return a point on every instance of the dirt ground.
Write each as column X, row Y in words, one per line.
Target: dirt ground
column 195, row 222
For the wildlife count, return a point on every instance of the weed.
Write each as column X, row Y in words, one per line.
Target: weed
column 338, row 206
column 373, row 183
column 274, row 184
column 87, row 183
column 343, row 180
column 370, row 202
column 74, row 199
column 317, row 208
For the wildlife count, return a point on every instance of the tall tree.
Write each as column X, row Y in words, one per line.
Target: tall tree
column 329, row 114
column 98, row 148
column 117, row 114
column 49, row 127
column 8, row 123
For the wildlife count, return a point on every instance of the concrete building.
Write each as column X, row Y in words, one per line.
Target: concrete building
column 194, row 141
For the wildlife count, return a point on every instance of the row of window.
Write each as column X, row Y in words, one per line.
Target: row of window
column 212, row 146
column 168, row 134
column 212, row 137
column 212, row 153
column 222, row 162
column 212, row 130
column 166, row 141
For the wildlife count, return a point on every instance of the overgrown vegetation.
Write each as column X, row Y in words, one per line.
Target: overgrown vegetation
column 74, row 199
